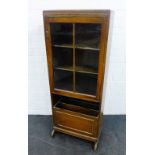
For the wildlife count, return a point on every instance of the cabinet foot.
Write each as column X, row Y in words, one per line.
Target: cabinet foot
column 95, row 146
column 52, row 133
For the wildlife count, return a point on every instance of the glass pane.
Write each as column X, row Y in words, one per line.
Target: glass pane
column 87, row 36
column 86, row 83
column 87, row 39
column 63, row 58
column 62, row 41
column 86, row 61
column 61, row 34
column 63, row 79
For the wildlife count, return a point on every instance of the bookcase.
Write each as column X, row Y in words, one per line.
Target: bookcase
column 76, row 43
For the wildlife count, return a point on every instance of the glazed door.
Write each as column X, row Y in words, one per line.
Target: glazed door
column 75, row 55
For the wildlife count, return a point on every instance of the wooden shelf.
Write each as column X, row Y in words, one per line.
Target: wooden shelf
column 63, row 33
column 86, row 48
column 77, row 47
column 86, row 70
column 66, row 68
column 77, row 33
column 80, row 69
column 63, row 45
column 88, row 31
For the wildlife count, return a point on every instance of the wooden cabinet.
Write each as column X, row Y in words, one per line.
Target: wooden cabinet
column 76, row 43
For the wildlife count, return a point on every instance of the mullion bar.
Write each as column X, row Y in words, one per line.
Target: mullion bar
column 74, row 57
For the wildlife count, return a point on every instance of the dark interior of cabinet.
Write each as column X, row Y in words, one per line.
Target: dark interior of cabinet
column 75, row 49
column 62, row 57
column 86, row 60
column 63, row 79
column 61, row 34
column 87, row 35
column 86, row 83
column 77, row 105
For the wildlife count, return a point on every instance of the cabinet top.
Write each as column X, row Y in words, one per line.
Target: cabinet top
column 74, row 13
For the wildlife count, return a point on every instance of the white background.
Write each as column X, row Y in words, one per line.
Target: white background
column 114, row 88
column 140, row 77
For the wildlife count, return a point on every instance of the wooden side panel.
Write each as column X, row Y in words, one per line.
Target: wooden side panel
column 49, row 52
column 102, row 56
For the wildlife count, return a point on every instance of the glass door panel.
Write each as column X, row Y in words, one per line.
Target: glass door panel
column 87, row 36
column 86, row 83
column 62, row 34
column 63, row 58
column 62, row 49
column 87, row 39
column 86, row 61
column 75, row 49
column 63, row 79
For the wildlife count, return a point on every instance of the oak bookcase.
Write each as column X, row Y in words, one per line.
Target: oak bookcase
column 76, row 43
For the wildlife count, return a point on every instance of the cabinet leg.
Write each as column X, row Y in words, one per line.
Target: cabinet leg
column 95, row 145
column 52, row 133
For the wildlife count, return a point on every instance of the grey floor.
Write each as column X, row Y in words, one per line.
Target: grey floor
column 112, row 140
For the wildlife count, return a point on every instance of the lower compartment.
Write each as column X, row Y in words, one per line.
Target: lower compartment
column 77, row 118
